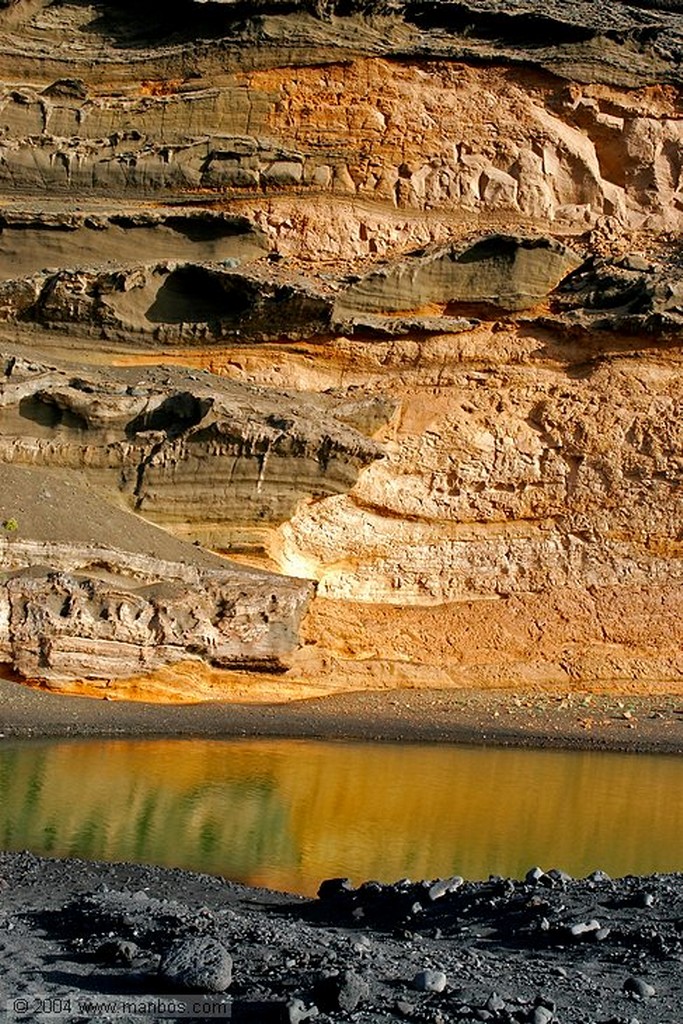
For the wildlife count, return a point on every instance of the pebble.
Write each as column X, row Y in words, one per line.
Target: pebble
column 341, row 991
column 298, row 1011
column 430, row 981
column 542, row 1015
column 583, row 928
column 639, row 987
column 443, row 886
column 405, row 1008
column 200, row 964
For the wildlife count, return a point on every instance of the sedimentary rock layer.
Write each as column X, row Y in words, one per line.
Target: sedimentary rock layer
column 31, row 241
column 181, row 447
column 323, row 123
column 430, row 254
column 504, row 272
column 90, row 591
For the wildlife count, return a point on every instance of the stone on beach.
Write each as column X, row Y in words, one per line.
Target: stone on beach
column 197, row 964
column 639, row 987
column 430, row 981
column 343, row 991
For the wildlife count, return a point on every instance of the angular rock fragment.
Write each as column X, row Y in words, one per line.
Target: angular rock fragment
column 297, row 1011
column 197, row 964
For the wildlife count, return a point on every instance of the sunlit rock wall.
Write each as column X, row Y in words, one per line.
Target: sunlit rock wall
column 428, row 259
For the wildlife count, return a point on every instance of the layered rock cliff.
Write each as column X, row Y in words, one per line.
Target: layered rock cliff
column 387, row 296
column 92, row 591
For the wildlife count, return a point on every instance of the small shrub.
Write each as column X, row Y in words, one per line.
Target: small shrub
column 11, row 525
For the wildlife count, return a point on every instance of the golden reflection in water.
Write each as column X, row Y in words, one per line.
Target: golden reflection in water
column 286, row 813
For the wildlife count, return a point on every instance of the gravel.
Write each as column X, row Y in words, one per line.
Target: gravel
column 500, row 950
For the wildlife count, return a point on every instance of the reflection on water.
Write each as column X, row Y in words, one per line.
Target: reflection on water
column 288, row 813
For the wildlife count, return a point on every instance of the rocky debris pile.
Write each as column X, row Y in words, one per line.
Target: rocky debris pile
column 546, row 949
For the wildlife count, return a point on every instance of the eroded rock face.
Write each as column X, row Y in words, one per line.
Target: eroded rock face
column 182, row 448
column 90, row 591
column 629, row 297
column 501, row 271
column 523, row 113
column 430, row 254
column 458, row 143
column 170, row 301
column 508, row 480
column 32, row 241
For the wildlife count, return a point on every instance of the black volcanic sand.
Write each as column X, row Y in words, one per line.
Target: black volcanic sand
column 623, row 722
column 548, row 950
column 545, row 951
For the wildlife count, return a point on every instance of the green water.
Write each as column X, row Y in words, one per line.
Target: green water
column 288, row 813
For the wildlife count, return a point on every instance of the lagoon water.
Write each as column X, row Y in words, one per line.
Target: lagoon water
column 288, row 813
